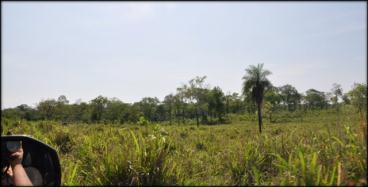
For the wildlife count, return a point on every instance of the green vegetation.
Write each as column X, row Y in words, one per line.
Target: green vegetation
column 194, row 103
column 315, row 151
column 201, row 136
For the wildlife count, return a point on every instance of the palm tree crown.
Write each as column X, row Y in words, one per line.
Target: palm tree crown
column 255, row 81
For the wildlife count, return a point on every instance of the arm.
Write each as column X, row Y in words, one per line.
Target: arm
column 20, row 176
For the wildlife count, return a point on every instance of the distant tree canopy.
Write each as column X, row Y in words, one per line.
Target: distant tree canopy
column 194, row 102
column 358, row 96
column 290, row 97
column 316, row 99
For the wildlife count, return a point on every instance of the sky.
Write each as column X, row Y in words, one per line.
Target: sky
column 131, row 50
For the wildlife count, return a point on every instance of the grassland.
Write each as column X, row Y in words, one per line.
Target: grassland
column 313, row 148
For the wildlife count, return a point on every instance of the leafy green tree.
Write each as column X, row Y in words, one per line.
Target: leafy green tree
column 115, row 111
column 255, row 83
column 161, row 113
column 195, row 93
column 315, row 99
column 11, row 113
column 179, row 105
column 21, row 112
column 273, row 99
column 358, row 97
column 228, row 101
column 62, row 109
column 267, row 109
column 98, row 106
column 337, row 94
column 204, row 100
column 249, row 104
column 217, row 102
column 290, row 97
column 85, row 112
column 133, row 114
column 62, row 99
column 47, row 109
column 148, row 106
column 169, row 105
column 345, row 98
column 233, row 103
column 337, row 91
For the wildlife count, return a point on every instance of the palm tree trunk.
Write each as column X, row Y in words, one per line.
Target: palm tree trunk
column 259, row 117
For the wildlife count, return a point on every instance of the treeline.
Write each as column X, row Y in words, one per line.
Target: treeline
column 195, row 102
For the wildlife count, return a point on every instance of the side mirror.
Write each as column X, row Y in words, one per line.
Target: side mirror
column 40, row 161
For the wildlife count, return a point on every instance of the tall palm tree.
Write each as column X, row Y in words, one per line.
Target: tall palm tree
column 255, row 82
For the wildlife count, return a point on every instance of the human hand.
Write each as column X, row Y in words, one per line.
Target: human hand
column 16, row 157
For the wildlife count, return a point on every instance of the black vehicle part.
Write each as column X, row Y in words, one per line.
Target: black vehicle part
column 36, row 155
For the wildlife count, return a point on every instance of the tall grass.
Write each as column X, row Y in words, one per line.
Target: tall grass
column 314, row 151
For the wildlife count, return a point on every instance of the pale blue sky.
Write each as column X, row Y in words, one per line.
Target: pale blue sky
column 132, row 50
